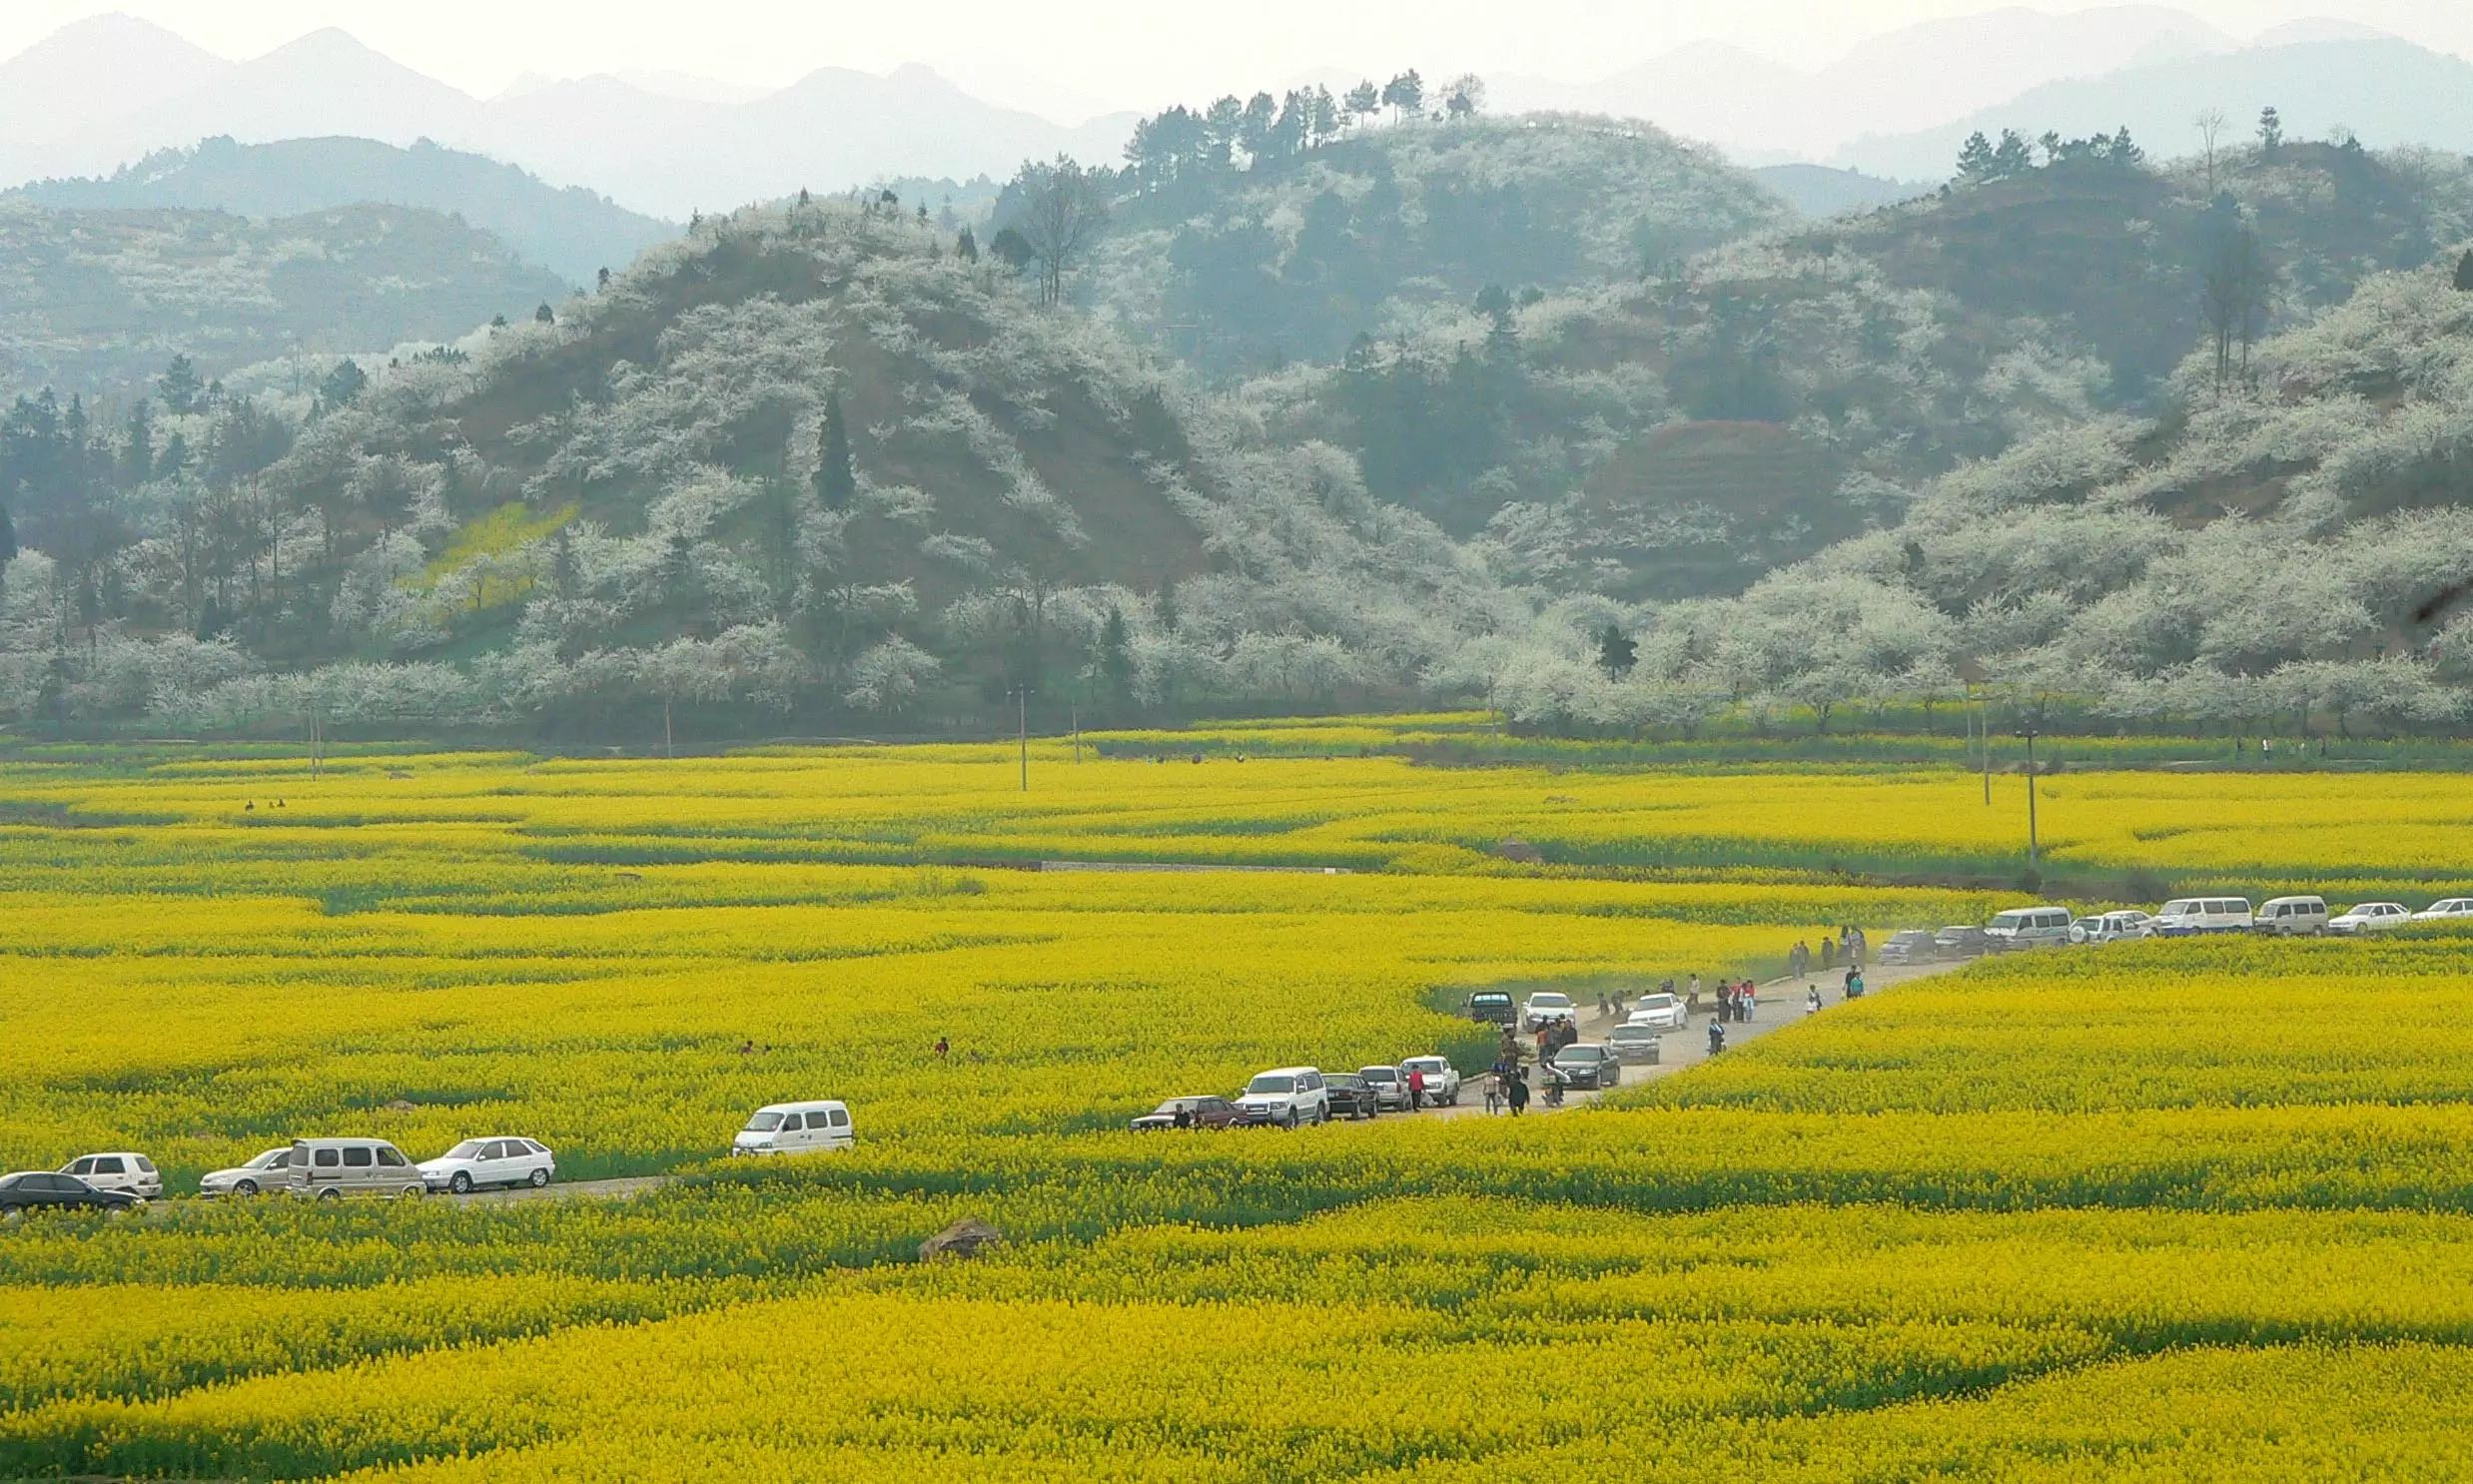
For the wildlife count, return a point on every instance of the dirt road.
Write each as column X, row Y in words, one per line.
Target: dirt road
column 1778, row 1003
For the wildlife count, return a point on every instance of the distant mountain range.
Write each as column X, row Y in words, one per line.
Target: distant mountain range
column 2385, row 92
column 573, row 231
column 1902, row 82
column 105, row 93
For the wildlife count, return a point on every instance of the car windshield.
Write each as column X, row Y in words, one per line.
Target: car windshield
column 1576, row 1054
column 1656, row 1002
column 1550, row 1002
column 1426, row 1063
column 1379, row 1074
column 271, row 1159
column 1172, row 1106
column 1267, row 1083
column 10, row 1182
column 469, row 1149
column 1915, row 936
column 1632, row 1033
column 2179, row 909
column 764, row 1123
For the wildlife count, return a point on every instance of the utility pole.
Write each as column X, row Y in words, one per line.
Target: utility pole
column 1022, row 732
column 1984, row 728
column 2033, row 850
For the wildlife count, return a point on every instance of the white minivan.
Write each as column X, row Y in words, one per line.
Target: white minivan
column 331, row 1169
column 2188, row 917
column 795, row 1129
column 2028, row 927
column 2293, row 916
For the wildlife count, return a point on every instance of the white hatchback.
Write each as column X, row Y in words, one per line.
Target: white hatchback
column 130, row 1175
column 2110, row 927
column 476, row 1163
column 2371, row 917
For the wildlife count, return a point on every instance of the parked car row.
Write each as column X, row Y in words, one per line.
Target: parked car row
column 1292, row 1097
column 2184, row 917
column 313, row 1169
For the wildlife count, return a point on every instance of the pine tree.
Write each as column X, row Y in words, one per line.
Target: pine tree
column 2270, row 130
column 177, row 386
column 2464, row 273
column 1975, row 162
column 837, row 475
column 545, row 314
column 1617, row 653
column 966, row 247
column 1116, row 656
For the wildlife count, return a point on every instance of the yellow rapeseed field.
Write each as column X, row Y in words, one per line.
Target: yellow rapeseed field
column 2172, row 1211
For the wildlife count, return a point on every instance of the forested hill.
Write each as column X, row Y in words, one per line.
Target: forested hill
column 1242, row 265
column 1682, row 433
column 814, row 460
column 2286, row 547
column 97, row 303
column 573, row 231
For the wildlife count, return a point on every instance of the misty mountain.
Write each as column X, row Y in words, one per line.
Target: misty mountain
column 99, row 301
column 573, row 231
column 834, row 129
column 1763, row 110
column 1820, row 190
column 2387, row 92
column 105, row 94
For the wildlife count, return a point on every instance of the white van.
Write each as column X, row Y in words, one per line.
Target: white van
column 795, row 1129
column 2028, row 927
column 2293, row 916
column 2192, row 916
column 331, row 1169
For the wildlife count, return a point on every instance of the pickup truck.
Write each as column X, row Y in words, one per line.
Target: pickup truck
column 1492, row 1008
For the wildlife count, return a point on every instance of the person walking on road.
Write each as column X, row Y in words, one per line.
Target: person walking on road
column 1717, row 1037
column 1416, row 1090
column 1517, row 1095
column 1811, row 999
column 1493, row 1094
column 1798, row 959
column 1751, row 1000
column 1829, row 953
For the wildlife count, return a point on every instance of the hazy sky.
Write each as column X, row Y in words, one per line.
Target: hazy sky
column 1098, row 54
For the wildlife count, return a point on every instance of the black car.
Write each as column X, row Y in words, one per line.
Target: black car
column 1961, row 942
column 1190, row 1113
column 35, row 1191
column 1352, row 1095
column 1913, row 946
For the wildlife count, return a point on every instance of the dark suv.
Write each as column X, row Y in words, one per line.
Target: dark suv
column 1352, row 1095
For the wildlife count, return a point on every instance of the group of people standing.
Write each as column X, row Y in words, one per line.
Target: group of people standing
column 1847, row 946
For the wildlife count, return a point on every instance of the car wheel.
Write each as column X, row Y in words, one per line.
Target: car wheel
column 245, row 1187
column 329, row 1193
column 412, row 1191
column 461, row 1184
column 1288, row 1122
column 541, row 1177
